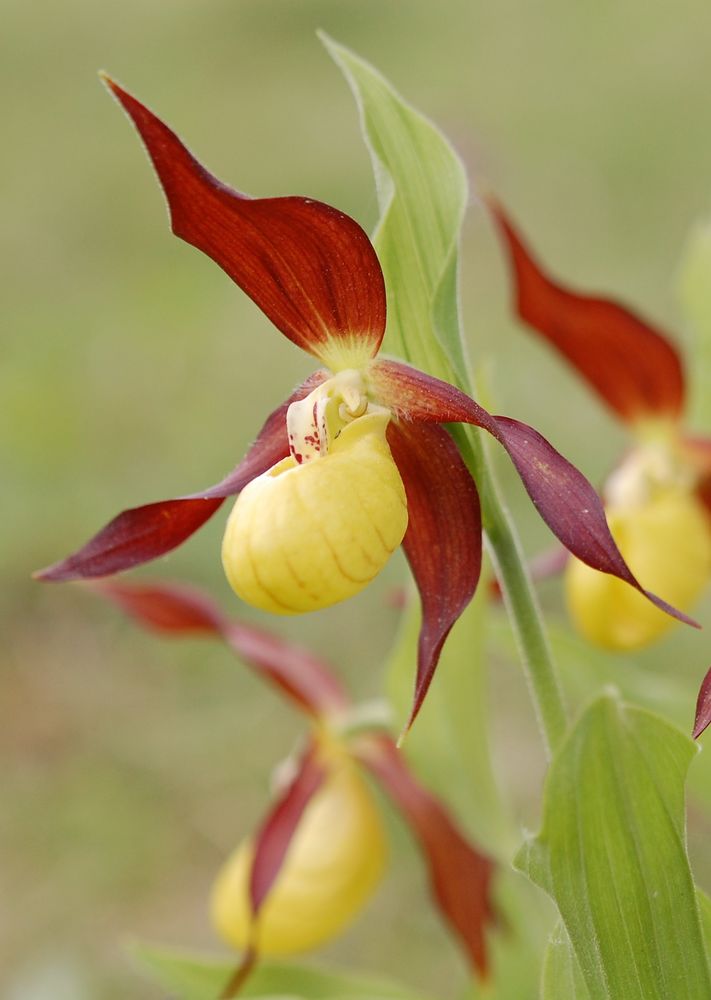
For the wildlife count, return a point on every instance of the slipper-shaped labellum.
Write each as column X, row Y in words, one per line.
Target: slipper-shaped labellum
column 320, row 524
column 331, row 867
column 355, row 461
column 655, row 502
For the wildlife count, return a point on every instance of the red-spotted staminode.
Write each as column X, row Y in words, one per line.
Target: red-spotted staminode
column 355, row 460
column 658, row 498
column 319, row 853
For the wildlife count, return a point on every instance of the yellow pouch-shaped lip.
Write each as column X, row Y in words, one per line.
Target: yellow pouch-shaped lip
column 303, row 537
column 666, row 541
column 332, row 866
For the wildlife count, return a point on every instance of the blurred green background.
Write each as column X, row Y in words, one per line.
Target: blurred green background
column 132, row 369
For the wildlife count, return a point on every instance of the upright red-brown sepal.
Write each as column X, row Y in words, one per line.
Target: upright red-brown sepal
column 310, row 268
column 180, row 610
column 443, row 538
column 631, row 365
column 460, row 875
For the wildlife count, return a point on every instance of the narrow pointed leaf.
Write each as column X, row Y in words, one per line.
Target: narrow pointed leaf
column 190, row 976
column 632, row 366
column 702, row 716
column 612, row 855
column 310, row 268
column 560, row 493
column 277, row 831
column 443, row 538
column 140, row 534
column 460, row 875
column 182, row 610
column 422, row 196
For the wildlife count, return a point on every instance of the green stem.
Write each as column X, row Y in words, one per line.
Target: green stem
column 518, row 591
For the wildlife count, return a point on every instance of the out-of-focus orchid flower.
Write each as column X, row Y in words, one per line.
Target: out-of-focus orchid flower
column 657, row 499
column 355, row 461
column 319, row 854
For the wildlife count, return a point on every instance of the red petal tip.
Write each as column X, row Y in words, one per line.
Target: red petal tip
column 703, row 707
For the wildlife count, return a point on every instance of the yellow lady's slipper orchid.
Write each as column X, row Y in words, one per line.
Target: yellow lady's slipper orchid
column 333, row 864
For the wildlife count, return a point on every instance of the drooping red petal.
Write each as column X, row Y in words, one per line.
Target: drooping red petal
column 310, row 268
column 702, row 718
column 632, row 366
column 560, row 493
column 460, row 875
column 140, row 534
column 280, row 825
column 443, row 538
column 184, row 610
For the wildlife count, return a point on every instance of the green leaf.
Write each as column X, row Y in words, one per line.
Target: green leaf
column 695, row 294
column 422, row 195
column 201, row 977
column 612, row 855
column 562, row 978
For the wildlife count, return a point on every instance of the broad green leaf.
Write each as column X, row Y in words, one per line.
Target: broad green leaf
column 201, row 977
column 695, row 294
column 449, row 745
column 422, row 195
column 705, row 913
column 612, row 855
column 562, row 978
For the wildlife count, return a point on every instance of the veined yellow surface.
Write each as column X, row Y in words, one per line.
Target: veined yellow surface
column 303, row 537
column 666, row 541
column 331, row 868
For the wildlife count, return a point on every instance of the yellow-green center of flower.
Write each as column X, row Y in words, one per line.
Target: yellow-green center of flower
column 319, row 525
column 664, row 533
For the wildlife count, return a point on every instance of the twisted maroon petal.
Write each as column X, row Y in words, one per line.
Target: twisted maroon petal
column 140, row 534
column 443, row 538
column 460, row 875
column 280, row 825
column 310, row 268
column 560, row 493
column 184, row 610
column 632, row 366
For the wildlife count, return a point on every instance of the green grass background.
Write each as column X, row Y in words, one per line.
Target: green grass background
column 132, row 369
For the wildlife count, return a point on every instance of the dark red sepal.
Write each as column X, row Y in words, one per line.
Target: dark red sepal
column 632, row 366
column 276, row 832
column 702, row 717
column 140, row 534
column 460, row 875
column 443, row 538
column 183, row 610
column 560, row 493
column 311, row 269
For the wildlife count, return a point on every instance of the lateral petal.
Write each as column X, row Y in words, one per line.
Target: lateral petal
column 140, row 534
column 178, row 609
column 443, row 538
column 633, row 367
column 560, row 493
column 702, row 717
column 310, row 268
column 460, row 875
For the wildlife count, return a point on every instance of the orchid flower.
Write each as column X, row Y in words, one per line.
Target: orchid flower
column 657, row 499
column 320, row 852
column 356, row 460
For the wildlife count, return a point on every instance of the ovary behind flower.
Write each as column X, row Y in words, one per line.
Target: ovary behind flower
column 333, row 864
column 667, row 542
